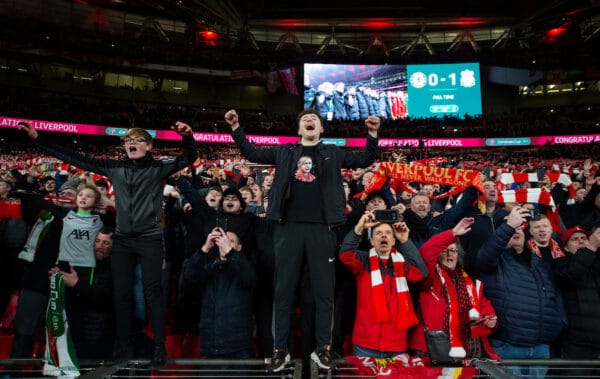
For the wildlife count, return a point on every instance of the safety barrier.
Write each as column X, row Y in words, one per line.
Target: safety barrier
column 256, row 368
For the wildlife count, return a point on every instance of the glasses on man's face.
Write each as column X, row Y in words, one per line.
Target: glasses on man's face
column 134, row 140
column 448, row 251
column 230, row 198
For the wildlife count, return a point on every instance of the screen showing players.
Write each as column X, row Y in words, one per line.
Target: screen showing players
column 352, row 92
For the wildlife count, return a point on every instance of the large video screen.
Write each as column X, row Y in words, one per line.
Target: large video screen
column 352, row 92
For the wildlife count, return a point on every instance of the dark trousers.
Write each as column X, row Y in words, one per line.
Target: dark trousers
column 31, row 309
column 316, row 244
column 149, row 252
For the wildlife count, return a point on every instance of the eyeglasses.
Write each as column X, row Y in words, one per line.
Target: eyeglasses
column 231, row 198
column 134, row 140
column 453, row 251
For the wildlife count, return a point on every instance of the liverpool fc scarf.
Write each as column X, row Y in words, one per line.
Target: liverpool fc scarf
column 60, row 358
column 406, row 315
column 459, row 179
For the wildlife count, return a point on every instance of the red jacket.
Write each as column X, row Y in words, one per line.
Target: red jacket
column 433, row 303
column 367, row 333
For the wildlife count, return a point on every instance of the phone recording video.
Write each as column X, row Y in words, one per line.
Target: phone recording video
column 221, row 223
column 386, row 215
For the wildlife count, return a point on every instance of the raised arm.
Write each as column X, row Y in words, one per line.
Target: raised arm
column 190, row 152
column 265, row 155
column 366, row 157
column 409, row 251
column 82, row 161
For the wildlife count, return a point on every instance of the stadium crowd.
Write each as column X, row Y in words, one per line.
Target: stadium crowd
column 503, row 261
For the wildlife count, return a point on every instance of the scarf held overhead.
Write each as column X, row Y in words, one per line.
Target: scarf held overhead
column 455, row 177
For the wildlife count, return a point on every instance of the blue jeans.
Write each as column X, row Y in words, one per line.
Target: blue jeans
column 508, row 351
column 359, row 351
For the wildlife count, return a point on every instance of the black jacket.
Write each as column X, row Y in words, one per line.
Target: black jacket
column 138, row 184
column 521, row 288
column 578, row 277
column 330, row 161
column 226, row 319
column 483, row 227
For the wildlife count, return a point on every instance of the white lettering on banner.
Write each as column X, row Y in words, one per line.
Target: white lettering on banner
column 443, row 142
column 207, row 137
column 574, row 139
column 55, row 127
column 389, row 142
column 266, row 140
column 9, row 122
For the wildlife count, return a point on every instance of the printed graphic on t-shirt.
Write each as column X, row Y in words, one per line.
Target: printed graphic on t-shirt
column 303, row 173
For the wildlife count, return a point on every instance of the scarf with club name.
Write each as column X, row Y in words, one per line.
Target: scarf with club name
column 406, row 313
column 60, row 358
column 458, row 179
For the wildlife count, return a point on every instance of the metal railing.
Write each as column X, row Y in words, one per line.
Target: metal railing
column 257, row 368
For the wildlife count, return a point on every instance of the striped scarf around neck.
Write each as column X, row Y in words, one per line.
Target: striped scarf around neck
column 407, row 317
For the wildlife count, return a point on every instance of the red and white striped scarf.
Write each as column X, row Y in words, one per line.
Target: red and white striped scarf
column 555, row 249
column 380, row 304
column 533, row 195
column 554, row 176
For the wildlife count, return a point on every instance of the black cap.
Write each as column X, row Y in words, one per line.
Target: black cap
column 374, row 194
column 232, row 191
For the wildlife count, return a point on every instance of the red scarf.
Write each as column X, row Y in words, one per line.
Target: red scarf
column 458, row 178
column 463, row 306
column 555, row 249
column 407, row 317
column 533, row 195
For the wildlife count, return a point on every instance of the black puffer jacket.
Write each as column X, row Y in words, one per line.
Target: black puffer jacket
column 226, row 319
column 137, row 183
column 330, row 161
column 529, row 307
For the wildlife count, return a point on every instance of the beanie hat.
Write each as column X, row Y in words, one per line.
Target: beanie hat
column 71, row 184
column 231, row 191
column 569, row 232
